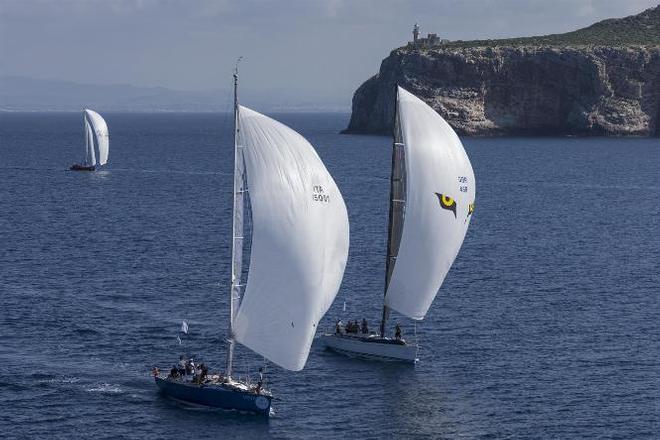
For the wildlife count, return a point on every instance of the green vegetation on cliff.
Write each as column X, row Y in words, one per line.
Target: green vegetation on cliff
column 641, row 29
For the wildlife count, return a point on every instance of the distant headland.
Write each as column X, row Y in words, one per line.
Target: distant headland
column 600, row 80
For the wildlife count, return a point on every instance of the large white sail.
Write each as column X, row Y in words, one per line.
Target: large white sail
column 101, row 135
column 90, row 155
column 299, row 241
column 440, row 191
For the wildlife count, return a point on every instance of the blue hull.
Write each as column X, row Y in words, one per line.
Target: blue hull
column 215, row 396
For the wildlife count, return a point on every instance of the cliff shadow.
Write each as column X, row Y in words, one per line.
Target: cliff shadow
column 544, row 93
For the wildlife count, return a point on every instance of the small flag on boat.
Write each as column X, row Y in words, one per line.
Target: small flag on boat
column 184, row 327
column 178, row 339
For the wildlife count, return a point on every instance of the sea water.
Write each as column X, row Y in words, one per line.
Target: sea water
column 547, row 325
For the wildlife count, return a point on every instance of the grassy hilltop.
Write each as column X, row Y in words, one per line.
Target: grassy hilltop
column 641, row 29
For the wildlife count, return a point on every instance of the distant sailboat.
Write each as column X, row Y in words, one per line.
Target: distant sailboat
column 298, row 254
column 97, row 142
column 432, row 192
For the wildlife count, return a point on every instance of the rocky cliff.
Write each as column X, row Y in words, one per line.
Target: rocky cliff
column 601, row 80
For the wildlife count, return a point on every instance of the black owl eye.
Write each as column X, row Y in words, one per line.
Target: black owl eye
column 447, row 203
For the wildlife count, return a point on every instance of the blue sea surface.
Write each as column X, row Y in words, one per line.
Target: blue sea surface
column 547, row 326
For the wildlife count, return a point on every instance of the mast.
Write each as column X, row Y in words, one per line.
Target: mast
column 237, row 232
column 397, row 204
column 86, row 137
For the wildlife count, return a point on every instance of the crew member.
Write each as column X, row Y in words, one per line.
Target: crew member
column 182, row 366
column 260, row 384
column 397, row 332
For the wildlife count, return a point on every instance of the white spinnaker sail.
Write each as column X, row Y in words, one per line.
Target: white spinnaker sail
column 90, row 155
column 299, row 241
column 101, row 135
column 440, row 191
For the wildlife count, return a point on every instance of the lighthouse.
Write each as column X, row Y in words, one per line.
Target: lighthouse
column 415, row 33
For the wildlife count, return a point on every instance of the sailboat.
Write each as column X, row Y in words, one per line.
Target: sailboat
column 432, row 192
column 298, row 252
column 97, row 142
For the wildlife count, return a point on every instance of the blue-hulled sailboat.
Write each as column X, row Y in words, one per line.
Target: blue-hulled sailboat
column 298, row 252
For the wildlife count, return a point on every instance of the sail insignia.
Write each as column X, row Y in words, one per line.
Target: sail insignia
column 447, row 203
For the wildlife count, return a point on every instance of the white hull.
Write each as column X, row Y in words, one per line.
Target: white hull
column 370, row 348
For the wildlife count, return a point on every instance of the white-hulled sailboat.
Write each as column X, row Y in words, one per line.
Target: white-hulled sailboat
column 97, row 142
column 298, row 252
column 432, row 192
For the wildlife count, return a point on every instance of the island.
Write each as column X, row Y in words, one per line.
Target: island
column 602, row 80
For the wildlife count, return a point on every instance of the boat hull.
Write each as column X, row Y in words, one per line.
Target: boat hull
column 215, row 396
column 370, row 348
column 78, row 167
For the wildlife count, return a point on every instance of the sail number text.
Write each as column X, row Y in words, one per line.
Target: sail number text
column 319, row 195
column 463, row 180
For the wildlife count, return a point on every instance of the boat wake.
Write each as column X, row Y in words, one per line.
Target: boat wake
column 64, row 380
column 105, row 388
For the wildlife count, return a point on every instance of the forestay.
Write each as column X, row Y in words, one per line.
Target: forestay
column 101, row 135
column 440, row 191
column 299, row 241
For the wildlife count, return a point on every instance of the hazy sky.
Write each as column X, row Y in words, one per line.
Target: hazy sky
column 316, row 49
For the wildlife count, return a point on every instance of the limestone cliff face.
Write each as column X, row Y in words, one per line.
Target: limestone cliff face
column 521, row 90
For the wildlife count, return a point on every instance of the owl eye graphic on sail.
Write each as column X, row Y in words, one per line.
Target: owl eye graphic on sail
column 426, row 227
column 447, row 203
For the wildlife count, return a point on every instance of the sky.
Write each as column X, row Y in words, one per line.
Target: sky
column 318, row 50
